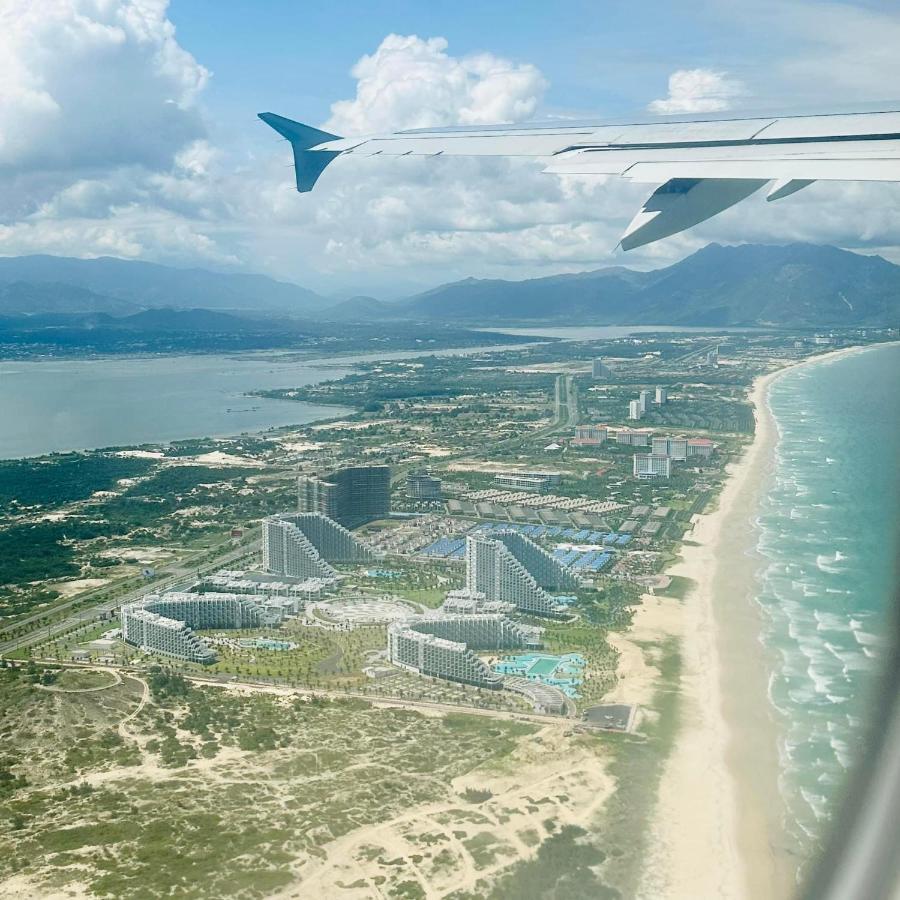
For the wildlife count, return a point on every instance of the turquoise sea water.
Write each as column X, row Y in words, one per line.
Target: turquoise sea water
column 828, row 530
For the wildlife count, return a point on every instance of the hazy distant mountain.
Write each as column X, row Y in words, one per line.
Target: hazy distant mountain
column 794, row 285
column 199, row 320
column 23, row 298
column 357, row 309
column 143, row 284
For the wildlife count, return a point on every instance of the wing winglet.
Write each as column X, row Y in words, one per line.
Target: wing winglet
column 308, row 163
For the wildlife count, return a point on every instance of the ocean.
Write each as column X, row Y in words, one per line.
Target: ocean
column 827, row 533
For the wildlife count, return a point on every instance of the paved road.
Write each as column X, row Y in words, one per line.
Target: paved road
column 96, row 612
column 406, row 703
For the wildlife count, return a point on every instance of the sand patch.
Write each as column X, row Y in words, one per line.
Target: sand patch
column 79, row 585
column 350, row 426
column 454, row 844
column 218, row 458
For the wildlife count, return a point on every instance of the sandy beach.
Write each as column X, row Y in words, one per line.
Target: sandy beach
column 718, row 827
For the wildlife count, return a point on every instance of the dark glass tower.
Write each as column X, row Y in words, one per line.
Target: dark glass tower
column 350, row 496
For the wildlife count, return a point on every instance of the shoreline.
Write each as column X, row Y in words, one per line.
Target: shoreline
column 718, row 828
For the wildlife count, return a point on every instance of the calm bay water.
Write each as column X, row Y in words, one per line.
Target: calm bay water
column 50, row 405
column 828, row 530
column 80, row 404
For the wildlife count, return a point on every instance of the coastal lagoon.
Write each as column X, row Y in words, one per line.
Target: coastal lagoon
column 78, row 404
column 56, row 405
column 827, row 534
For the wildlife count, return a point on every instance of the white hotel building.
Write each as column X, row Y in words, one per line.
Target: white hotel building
column 652, row 465
column 443, row 646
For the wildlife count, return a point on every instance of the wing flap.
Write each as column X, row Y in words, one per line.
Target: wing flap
column 681, row 203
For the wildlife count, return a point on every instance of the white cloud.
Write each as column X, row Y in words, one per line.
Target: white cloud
column 92, row 84
column 409, row 82
column 822, row 53
column 698, row 91
column 102, row 145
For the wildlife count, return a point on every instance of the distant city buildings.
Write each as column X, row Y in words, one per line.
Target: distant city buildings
column 712, row 357
column 674, row 447
column 661, row 397
column 536, row 482
column 699, row 447
column 350, row 496
column 510, row 568
column 635, row 410
column 590, row 435
column 302, row 545
column 423, row 486
column 644, row 401
column 652, row 465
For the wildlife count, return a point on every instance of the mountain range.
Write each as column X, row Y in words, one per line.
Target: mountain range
column 801, row 285
column 797, row 285
column 119, row 286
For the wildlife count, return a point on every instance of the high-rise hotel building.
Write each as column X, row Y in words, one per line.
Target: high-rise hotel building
column 509, row 567
column 302, row 545
column 674, row 447
column 590, row 435
column 644, row 401
column 443, row 646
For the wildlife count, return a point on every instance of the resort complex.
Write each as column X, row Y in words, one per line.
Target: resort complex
column 302, row 545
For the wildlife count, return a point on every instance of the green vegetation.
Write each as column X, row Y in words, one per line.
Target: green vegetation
column 637, row 765
column 215, row 791
column 564, row 867
column 62, row 478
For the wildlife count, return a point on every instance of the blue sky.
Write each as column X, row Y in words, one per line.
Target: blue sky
column 599, row 56
column 602, row 58
column 128, row 128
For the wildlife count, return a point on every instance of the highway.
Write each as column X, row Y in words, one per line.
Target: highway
column 97, row 612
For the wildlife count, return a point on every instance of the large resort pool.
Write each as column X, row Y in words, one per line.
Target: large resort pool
column 563, row 672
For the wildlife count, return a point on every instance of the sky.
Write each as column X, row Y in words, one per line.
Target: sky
column 128, row 128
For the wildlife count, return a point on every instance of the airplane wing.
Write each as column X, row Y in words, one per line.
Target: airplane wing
column 702, row 166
